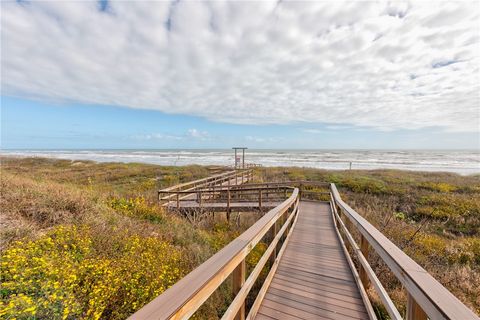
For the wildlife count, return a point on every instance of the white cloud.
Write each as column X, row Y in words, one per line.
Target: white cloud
column 189, row 134
column 381, row 65
column 157, row 136
column 196, row 134
column 262, row 139
column 314, row 131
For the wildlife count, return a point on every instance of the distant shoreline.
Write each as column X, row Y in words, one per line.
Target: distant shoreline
column 466, row 163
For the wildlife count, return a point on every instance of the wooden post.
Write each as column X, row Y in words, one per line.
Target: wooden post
column 228, row 199
column 238, row 281
column 414, row 311
column 260, row 199
column 235, row 158
column 274, row 253
column 363, row 272
column 348, row 225
column 243, row 158
column 200, row 199
column 178, row 200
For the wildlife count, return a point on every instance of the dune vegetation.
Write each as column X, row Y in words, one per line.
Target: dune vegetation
column 87, row 240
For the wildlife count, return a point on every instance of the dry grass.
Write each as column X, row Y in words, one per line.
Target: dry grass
column 434, row 217
column 29, row 206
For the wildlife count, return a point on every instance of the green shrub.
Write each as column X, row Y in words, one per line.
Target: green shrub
column 438, row 187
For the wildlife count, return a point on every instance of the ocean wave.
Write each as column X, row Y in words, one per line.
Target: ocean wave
column 464, row 162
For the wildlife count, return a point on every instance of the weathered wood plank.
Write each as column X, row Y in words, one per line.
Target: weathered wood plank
column 301, row 310
column 318, row 282
column 314, row 279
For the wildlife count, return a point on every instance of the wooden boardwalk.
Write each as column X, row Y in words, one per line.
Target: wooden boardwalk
column 311, row 275
column 313, row 279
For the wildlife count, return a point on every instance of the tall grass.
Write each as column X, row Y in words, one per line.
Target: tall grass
column 86, row 240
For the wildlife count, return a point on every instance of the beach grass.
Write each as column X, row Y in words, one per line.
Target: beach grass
column 81, row 239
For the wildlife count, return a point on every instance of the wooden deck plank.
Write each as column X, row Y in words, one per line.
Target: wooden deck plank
column 273, row 313
column 299, row 255
column 314, row 276
column 335, row 266
column 313, row 287
column 347, row 290
column 281, row 306
column 318, row 270
column 313, row 279
column 315, row 306
column 261, row 316
column 315, row 295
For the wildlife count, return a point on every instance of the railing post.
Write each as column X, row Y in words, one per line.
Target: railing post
column 260, row 199
column 228, row 199
column 238, row 281
column 200, row 199
column 414, row 311
column 348, row 226
column 274, row 234
column 363, row 272
column 178, row 200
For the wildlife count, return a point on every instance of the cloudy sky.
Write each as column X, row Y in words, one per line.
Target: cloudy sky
column 263, row 74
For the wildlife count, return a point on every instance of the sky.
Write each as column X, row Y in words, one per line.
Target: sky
column 265, row 74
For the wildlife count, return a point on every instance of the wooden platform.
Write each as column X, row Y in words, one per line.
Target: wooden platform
column 313, row 279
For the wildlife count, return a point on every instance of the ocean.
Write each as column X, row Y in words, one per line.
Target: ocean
column 458, row 161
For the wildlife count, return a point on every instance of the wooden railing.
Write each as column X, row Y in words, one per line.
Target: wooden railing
column 186, row 296
column 234, row 177
column 256, row 196
column 426, row 297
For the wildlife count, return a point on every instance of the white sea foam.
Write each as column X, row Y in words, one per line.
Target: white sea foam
column 459, row 161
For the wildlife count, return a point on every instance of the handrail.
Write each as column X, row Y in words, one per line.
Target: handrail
column 213, row 177
column 207, row 179
column 262, row 195
column 194, row 185
column 426, row 296
column 291, row 184
column 187, row 295
column 233, row 189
